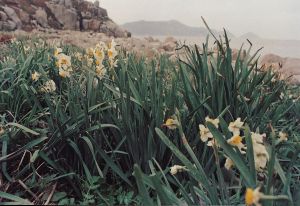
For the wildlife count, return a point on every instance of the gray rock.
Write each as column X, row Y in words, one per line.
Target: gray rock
column 68, row 4
column 96, row 3
column 13, row 16
column 41, row 17
column 67, row 17
column 3, row 16
column 91, row 24
column 9, row 25
column 24, row 16
column 86, row 15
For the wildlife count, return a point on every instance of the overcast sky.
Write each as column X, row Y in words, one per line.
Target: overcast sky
column 279, row 19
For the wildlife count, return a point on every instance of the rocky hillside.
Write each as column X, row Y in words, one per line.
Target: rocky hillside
column 78, row 15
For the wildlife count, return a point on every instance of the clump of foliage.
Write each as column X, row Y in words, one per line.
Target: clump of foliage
column 74, row 122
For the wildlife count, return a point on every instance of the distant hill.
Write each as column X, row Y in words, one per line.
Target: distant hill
column 250, row 35
column 165, row 28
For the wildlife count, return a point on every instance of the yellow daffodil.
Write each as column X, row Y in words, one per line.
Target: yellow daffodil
column 205, row 134
column 112, row 53
column 48, row 87
column 237, row 142
column 283, row 136
column 171, row 123
column 177, row 168
column 35, row 76
column 215, row 122
column 99, row 54
column 228, row 164
column 235, row 126
column 253, row 196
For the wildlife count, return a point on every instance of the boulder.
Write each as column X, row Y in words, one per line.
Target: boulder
column 41, row 17
column 67, row 17
column 24, row 16
column 3, row 16
column 96, row 3
column 86, row 15
column 91, row 24
column 13, row 16
column 68, row 4
column 9, row 25
column 112, row 29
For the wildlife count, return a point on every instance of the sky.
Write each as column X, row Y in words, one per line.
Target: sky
column 275, row 19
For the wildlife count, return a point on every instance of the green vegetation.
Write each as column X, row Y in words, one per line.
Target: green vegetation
column 105, row 127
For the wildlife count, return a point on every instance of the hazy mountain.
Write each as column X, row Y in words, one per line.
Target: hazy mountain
column 250, row 36
column 165, row 28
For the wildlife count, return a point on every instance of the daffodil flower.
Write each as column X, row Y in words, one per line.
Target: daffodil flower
column 205, row 134
column 283, row 136
column 63, row 61
column 215, row 122
column 253, row 196
column 237, row 142
column 100, row 71
column 35, row 76
column 177, row 168
column 257, row 138
column 235, row 126
column 63, row 73
column 171, row 123
column 261, row 156
column 57, row 51
column 48, row 87
column 228, row 164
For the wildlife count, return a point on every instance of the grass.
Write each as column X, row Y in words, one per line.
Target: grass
column 99, row 129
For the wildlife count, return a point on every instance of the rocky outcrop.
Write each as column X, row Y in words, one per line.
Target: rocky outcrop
column 285, row 65
column 77, row 15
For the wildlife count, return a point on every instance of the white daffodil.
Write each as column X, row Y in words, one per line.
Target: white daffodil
column 177, row 168
column 57, row 51
column 261, row 156
column 204, row 132
column 63, row 61
column 283, row 136
column 35, row 76
column 257, row 138
column 228, row 164
column 235, row 126
column 48, row 87
column 215, row 122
